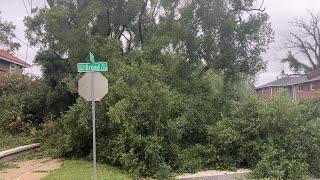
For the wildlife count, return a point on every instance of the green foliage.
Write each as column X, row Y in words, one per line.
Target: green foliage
column 9, row 141
column 178, row 96
column 145, row 115
column 7, row 35
column 272, row 137
column 312, row 143
column 231, row 42
column 274, row 164
column 153, row 130
column 69, row 135
column 20, row 103
column 195, row 158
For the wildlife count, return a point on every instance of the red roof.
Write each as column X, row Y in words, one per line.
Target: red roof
column 10, row 58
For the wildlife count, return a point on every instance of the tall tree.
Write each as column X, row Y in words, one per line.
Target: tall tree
column 7, row 35
column 166, row 58
column 228, row 35
column 305, row 41
column 225, row 35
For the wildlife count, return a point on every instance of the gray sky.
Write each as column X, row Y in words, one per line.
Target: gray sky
column 280, row 11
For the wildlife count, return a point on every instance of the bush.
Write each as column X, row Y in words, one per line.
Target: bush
column 152, row 130
column 68, row 136
column 271, row 137
column 13, row 117
column 274, row 164
column 312, row 146
column 9, row 141
column 140, row 122
column 195, row 158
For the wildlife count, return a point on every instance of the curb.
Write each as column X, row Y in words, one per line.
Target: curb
column 216, row 175
column 236, row 176
column 11, row 154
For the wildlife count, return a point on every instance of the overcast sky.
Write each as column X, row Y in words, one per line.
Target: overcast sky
column 280, row 11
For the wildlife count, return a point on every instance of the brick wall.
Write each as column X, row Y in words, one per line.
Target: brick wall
column 269, row 92
column 307, row 92
column 4, row 67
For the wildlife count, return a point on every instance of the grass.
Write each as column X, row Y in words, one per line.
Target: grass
column 10, row 141
column 3, row 166
column 7, row 166
column 81, row 169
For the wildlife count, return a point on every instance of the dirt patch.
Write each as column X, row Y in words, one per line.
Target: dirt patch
column 29, row 169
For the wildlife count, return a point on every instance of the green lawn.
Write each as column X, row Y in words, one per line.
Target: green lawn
column 80, row 169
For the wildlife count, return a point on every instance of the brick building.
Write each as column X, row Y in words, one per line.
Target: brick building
column 10, row 63
column 304, row 86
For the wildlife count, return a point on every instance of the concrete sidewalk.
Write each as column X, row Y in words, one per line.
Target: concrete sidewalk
column 216, row 175
column 30, row 169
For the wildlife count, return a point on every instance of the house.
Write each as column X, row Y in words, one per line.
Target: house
column 10, row 63
column 305, row 86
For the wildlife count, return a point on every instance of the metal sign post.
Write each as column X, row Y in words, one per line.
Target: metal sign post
column 93, row 106
column 93, row 92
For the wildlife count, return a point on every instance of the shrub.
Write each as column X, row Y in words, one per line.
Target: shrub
column 68, row 136
column 13, row 118
column 271, row 137
column 274, row 164
column 312, row 146
column 141, row 121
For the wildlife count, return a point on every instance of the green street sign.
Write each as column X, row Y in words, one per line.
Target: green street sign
column 92, row 67
column 91, row 57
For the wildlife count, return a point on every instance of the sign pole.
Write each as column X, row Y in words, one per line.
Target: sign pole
column 93, row 126
column 92, row 70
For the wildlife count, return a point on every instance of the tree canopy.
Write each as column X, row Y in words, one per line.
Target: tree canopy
column 7, row 35
column 228, row 35
column 175, row 68
column 306, row 42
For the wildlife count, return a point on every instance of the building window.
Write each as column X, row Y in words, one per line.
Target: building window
column 263, row 91
column 312, row 86
column 300, row 88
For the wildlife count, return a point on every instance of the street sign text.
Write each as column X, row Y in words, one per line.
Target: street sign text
column 92, row 67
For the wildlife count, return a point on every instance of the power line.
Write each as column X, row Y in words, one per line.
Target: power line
column 50, row 50
column 45, row 4
column 30, row 3
column 27, row 47
column 25, row 7
column 25, row 43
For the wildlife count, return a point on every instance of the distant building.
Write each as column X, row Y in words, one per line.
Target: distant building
column 306, row 86
column 10, row 63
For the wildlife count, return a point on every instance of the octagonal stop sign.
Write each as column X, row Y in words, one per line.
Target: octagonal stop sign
column 100, row 86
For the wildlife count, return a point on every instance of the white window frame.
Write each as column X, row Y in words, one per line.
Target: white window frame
column 263, row 92
column 300, row 89
column 312, row 86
